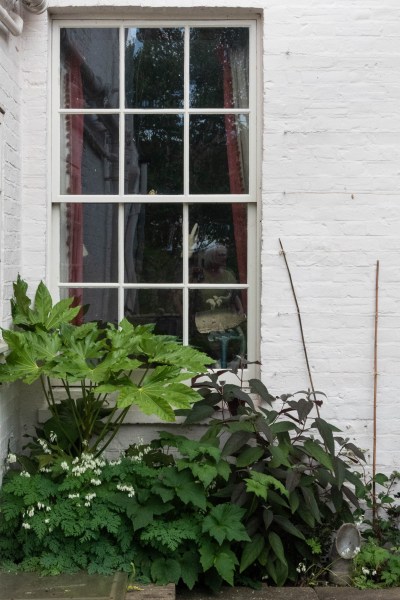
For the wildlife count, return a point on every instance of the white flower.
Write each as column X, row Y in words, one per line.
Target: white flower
column 89, row 497
column 30, row 511
column 47, row 521
column 126, row 488
column 301, row 568
column 64, row 465
column 44, row 445
column 71, row 496
column 95, row 481
column 40, row 505
column 24, row 474
column 26, row 526
column 53, row 437
column 11, row 458
column 365, row 570
column 373, row 572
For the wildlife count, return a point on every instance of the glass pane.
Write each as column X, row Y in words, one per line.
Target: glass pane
column 99, row 305
column 219, row 67
column 154, row 154
column 89, row 154
column 217, row 324
column 154, row 68
column 89, row 243
column 89, row 72
column 153, row 243
column 218, row 243
column 161, row 307
column 219, row 154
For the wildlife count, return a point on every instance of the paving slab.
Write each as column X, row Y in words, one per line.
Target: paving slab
column 243, row 593
column 76, row 586
column 346, row 593
column 151, row 592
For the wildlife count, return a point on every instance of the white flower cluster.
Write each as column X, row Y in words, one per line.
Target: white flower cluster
column 368, row 571
column 87, row 462
column 95, row 481
column 64, row 465
column 44, row 446
column 24, row 474
column 126, row 488
column 89, row 498
column 11, row 458
column 301, row 567
column 72, row 496
column 26, row 526
column 140, row 453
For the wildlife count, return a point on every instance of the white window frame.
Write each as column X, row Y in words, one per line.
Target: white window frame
column 252, row 198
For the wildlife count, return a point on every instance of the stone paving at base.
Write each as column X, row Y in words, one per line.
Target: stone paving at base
column 80, row 586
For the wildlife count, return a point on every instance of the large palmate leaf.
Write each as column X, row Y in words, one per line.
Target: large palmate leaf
column 224, row 522
column 21, row 364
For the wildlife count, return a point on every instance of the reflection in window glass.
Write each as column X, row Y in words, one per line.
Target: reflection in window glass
column 219, row 154
column 153, row 243
column 154, row 154
column 99, row 305
column 218, row 250
column 89, row 243
column 89, row 70
column 219, row 67
column 161, row 307
column 154, row 68
column 89, row 154
column 217, row 323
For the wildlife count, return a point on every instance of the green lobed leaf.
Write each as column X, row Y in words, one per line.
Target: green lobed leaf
column 225, row 562
column 224, row 522
column 165, row 570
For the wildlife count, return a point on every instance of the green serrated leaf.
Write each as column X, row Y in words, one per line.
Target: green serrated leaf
column 165, row 570
column 224, row 522
column 225, row 563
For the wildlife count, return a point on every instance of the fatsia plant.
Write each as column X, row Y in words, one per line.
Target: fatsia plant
column 102, row 371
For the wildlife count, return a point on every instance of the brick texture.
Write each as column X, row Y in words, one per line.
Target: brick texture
column 329, row 190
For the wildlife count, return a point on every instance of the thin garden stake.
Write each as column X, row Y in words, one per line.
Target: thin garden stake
column 301, row 325
column 374, row 515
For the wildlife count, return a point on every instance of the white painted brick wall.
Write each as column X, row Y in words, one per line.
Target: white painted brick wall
column 10, row 216
column 330, row 179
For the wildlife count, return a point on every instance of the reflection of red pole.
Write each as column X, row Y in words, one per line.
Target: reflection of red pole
column 74, row 211
column 236, row 186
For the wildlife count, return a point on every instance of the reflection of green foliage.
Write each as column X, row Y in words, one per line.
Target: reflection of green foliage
column 154, row 68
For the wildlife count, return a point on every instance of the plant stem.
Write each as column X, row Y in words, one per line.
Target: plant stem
column 374, row 503
column 301, row 325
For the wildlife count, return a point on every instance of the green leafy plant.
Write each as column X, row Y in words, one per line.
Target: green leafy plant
column 385, row 529
column 376, row 566
column 289, row 473
column 102, row 370
column 148, row 509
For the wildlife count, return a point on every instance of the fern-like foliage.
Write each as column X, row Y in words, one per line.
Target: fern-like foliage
column 170, row 534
